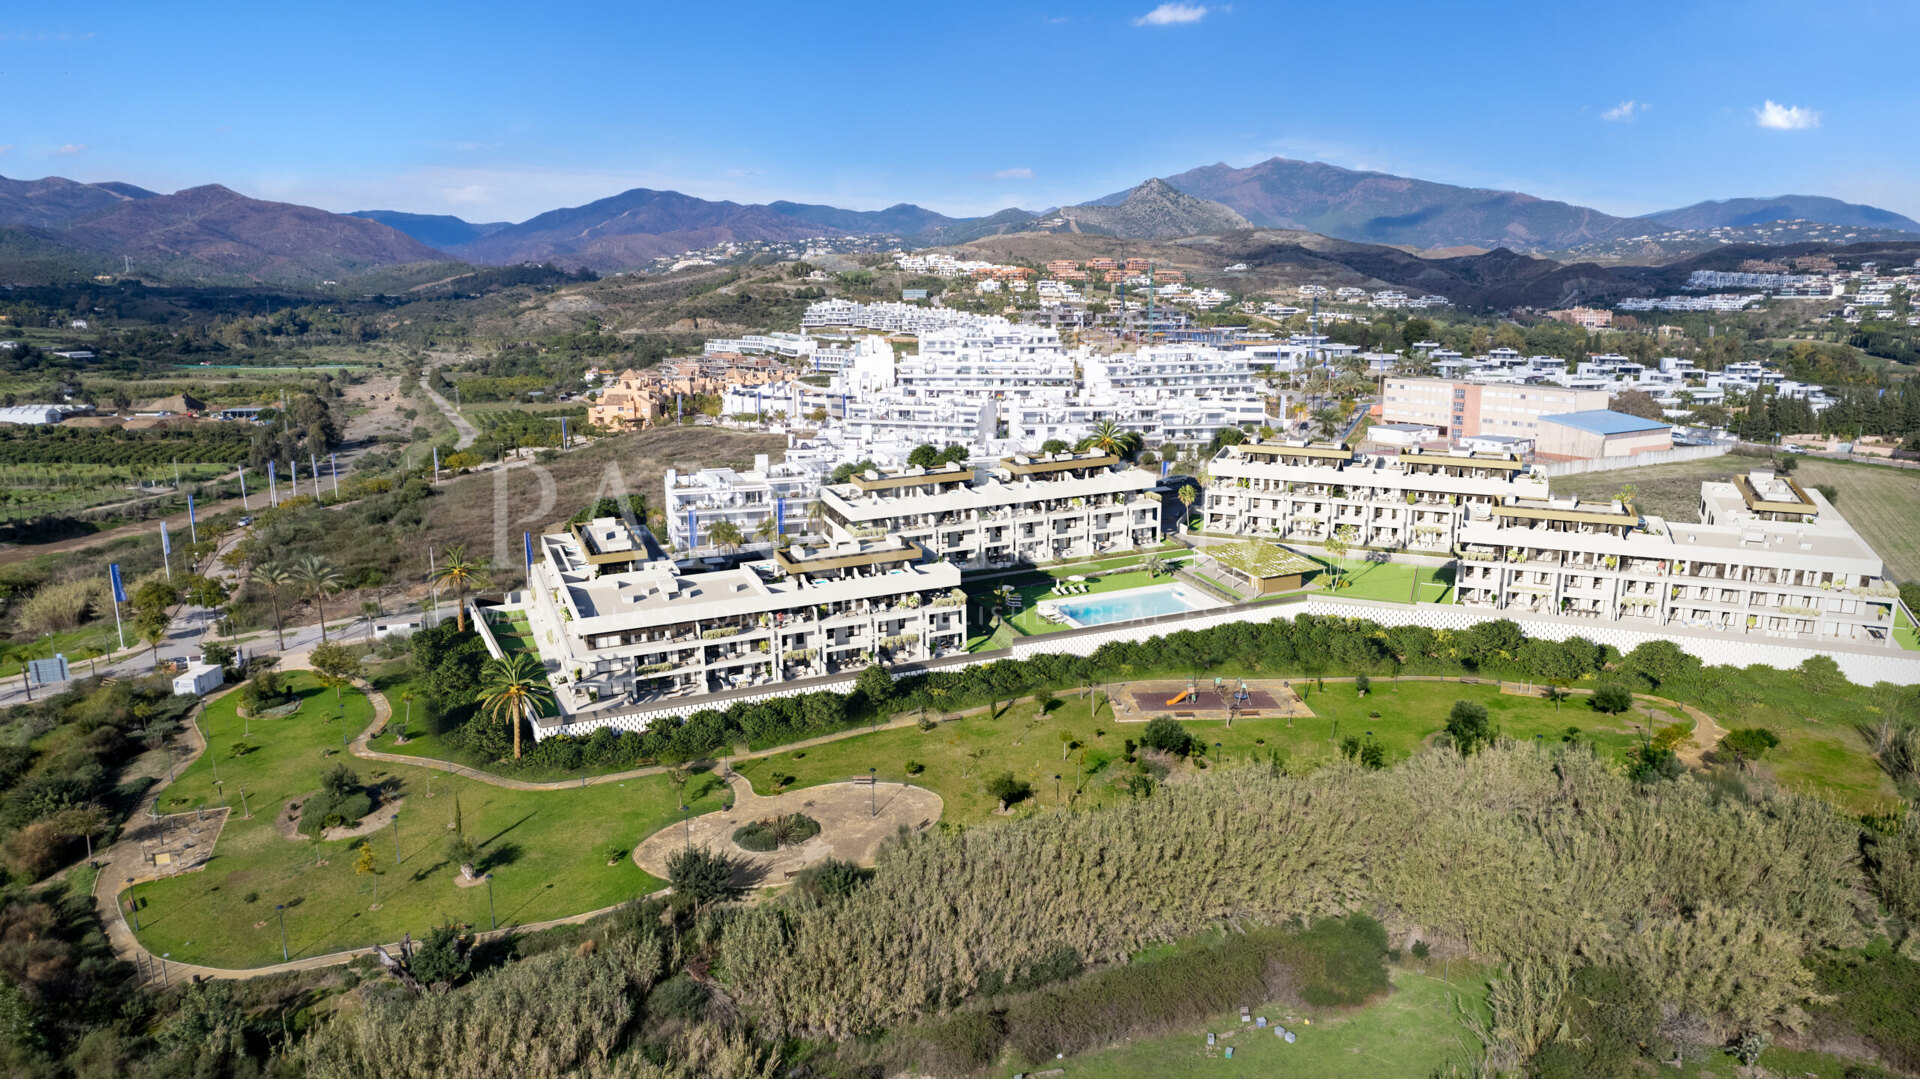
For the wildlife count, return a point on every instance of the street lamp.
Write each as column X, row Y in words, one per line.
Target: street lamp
column 873, row 792
column 1220, row 753
column 1056, row 788
column 133, row 904
column 687, row 823
column 164, row 956
column 280, row 909
column 245, row 813
column 491, row 916
column 395, row 820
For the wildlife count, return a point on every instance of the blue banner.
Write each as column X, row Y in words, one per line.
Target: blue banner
column 119, row 589
column 526, row 542
column 563, row 432
column 693, row 530
column 1165, row 466
column 166, row 542
column 679, row 409
column 436, row 460
column 779, row 517
column 273, row 486
column 193, row 525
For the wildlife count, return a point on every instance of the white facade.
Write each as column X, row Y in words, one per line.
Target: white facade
column 696, row 501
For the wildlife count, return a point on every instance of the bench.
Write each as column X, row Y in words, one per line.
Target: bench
column 1183, row 715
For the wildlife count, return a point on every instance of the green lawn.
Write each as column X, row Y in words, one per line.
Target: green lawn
column 1411, row 1032
column 548, row 849
column 961, row 754
column 1903, row 632
column 1389, row 581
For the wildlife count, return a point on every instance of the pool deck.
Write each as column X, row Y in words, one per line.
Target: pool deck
column 1191, row 599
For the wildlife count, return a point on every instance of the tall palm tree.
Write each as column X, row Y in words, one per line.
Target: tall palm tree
column 513, row 689
column 318, row 579
column 1186, row 495
column 816, row 512
column 1107, row 437
column 724, row 534
column 462, row 573
column 766, row 529
column 273, row 577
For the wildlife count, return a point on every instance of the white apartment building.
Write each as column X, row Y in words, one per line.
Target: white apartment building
column 1160, row 422
column 988, row 362
column 627, row 631
column 1311, row 491
column 1766, row 559
column 1026, row 510
column 777, row 493
column 1161, row 371
column 893, row 416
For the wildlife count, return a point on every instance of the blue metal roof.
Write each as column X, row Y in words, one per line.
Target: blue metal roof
column 1606, row 422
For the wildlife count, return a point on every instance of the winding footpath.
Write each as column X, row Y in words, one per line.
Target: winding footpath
column 125, row 858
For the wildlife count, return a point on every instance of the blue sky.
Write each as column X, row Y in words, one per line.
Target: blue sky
column 498, row 111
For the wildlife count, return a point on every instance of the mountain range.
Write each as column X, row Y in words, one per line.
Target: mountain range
column 211, row 233
column 1729, row 213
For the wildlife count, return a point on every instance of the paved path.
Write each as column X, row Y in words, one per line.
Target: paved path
column 855, row 818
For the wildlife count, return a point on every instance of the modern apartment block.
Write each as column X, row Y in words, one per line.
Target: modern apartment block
column 1767, row 558
column 1027, row 510
column 696, row 501
column 1308, row 492
column 624, row 631
column 1462, row 409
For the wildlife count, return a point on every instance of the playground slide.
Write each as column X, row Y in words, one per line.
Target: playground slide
column 1184, row 694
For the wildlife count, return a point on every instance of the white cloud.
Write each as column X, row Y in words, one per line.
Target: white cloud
column 1014, row 174
column 1785, row 117
column 71, row 149
column 7, row 148
column 1172, row 14
column 1626, row 110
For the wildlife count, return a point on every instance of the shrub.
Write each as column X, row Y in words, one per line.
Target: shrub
column 703, row 876
column 961, row 1043
column 330, row 810
column 914, row 768
column 1468, row 727
column 832, row 879
column 439, row 959
column 1007, row 790
column 1749, row 743
column 1420, row 949
column 679, row 997
column 1165, row 733
column 1612, row 698
column 775, row 832
column 339, row 780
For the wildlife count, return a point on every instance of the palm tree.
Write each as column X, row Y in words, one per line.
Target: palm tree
column 318, row 579
column 371, row 611
column 273, row 577
column 406, row 698
column 816, row 512
column 1107, row 437
column 766, row 529
column 462, row 573
column 1187, row 494
column 514, row 689
column 1327, row 418
column 724, row 534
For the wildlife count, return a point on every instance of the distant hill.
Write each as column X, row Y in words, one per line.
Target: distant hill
column 212, row 232
column 1011, row 219
column 57, row 200
column 1374, row 207
column 633, row 227
column 901, row 219
column 434, row 230
column 1156, row 211
column 1727, row 213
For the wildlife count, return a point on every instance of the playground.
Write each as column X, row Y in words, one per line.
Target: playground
column 1210, row 698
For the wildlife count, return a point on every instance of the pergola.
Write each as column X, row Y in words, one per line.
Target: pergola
column 1265, row 568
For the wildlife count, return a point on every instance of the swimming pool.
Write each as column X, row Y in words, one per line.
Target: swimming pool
column 1131, row 604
